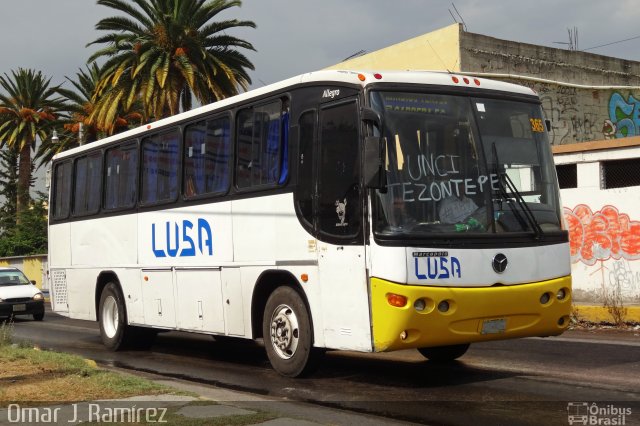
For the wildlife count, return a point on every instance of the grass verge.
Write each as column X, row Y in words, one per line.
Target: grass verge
column 31, row 374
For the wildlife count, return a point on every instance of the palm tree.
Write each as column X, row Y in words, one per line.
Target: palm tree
column 28, row 110
column 165, row 52
column 80, row 106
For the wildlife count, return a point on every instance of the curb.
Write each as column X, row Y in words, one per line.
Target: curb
column 594, row 313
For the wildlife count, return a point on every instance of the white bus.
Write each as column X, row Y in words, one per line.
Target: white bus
column 335, row 210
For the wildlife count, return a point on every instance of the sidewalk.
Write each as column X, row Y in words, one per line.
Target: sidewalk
column 199, row 405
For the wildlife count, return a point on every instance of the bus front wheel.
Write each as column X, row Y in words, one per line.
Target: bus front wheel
column 286, row 329
column 114, row 331
column 444, row 353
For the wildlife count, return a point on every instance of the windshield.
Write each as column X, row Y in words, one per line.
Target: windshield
column 12, row 277
column 457, row 164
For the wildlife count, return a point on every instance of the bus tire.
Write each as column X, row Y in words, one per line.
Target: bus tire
column 286, row 328
column 112, row 316
column 444, row 353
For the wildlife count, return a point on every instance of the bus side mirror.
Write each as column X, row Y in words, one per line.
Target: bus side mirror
column 547, row 123
column 374, row 155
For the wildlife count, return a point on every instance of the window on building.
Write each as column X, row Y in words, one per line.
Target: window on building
column 160, row 160
column 207, row 154
column 567, row 175
column 88, row 184
column 620, row 173
column 121, row 182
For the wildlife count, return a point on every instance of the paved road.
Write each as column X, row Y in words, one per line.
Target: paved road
column 526, row 381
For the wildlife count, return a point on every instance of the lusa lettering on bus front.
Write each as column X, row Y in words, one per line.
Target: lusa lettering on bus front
column 436, row 266
column 446, row 179
column 180, row 237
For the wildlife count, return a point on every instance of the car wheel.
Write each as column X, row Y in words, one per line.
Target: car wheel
column 287, row 334
column 444, row 353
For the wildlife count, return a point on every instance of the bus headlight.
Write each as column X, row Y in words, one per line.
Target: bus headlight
column 419, row 305
column 443, row 306
column 562, row 293
column 544, row 299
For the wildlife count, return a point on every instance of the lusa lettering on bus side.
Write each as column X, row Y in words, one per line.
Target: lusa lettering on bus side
column 437, row 267
column 180, row 242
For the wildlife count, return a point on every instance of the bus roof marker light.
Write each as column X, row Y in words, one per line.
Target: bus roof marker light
column 378, row 76
column 361, row 77
column 476, row 81
column 466, row 80
column 397, row 300
column 455, row 79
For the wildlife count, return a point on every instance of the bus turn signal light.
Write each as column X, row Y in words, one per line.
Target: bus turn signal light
column 397, row 300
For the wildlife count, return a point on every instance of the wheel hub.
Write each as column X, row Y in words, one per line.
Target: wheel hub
column 284, row 331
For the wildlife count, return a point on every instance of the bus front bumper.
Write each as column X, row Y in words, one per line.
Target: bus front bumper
column 472, row 314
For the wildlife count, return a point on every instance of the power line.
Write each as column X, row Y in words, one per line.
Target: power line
column 613, row 42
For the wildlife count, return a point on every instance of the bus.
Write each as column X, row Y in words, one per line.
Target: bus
column 336, row 210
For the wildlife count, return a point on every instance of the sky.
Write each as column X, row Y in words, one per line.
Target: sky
column 298, row 36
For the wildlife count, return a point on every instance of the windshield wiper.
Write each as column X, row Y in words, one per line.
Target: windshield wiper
column 504, row 194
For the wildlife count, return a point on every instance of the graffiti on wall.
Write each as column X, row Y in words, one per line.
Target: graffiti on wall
column 601, row 235
column 624, row 117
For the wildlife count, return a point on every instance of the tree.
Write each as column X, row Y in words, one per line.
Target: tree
column 80, row 105
column 164, row 52
column 29, row 236
column 28, row 110
column 8, row 188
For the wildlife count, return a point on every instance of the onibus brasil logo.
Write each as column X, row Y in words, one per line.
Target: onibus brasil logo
column 583, row 413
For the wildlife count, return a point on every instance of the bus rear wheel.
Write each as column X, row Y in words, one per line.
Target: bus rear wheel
column 286, row 328
column 116, row 334
column 444, row 353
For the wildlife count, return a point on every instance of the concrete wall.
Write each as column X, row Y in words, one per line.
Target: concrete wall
column 586, row 96
column 604, row 224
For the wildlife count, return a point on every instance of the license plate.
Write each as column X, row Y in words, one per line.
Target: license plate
column 19, row 308
column 494, row 326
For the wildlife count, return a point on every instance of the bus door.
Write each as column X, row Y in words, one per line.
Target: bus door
column 339, row 226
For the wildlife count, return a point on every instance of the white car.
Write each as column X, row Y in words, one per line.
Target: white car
column 19, row 296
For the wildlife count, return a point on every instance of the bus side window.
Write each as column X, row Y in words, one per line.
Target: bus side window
column 206, row 157
column 62, row 190
column 121, row 176
column 160, row 159
column 262, row 145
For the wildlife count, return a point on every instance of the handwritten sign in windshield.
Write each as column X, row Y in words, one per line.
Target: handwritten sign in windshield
column 436, row 177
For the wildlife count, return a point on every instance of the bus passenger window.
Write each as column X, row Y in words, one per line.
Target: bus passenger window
column 121, row 177
column 160, row 160
column 62, row 190
column 207, row 153
column 88, row 184
column 262, row 145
